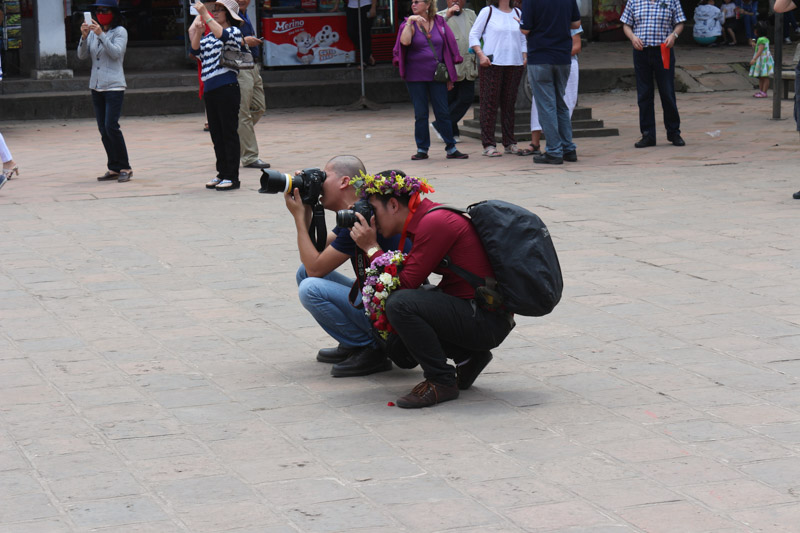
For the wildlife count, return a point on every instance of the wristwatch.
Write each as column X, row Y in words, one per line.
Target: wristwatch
column 676, row 35
column 372, row 251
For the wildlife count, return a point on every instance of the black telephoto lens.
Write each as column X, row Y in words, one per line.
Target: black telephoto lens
column 273, row 182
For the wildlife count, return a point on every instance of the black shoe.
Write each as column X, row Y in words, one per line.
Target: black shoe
column 677, row 140
column 124, row 176
column 645, row 142
column 571, row 157
column 419, row 155
column 547, row 159
column 365, row 361
column 468, row 371
column 335, row 355
column 109, row 176
column 427, row 394
column 457, row 155
column 796, row 195
column 258, row 164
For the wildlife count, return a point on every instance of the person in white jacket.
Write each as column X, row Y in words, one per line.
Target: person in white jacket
column 708, row 20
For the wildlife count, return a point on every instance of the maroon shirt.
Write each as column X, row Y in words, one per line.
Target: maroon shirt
column 435, row 235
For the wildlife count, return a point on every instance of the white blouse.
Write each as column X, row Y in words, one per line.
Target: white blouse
column 502, row 38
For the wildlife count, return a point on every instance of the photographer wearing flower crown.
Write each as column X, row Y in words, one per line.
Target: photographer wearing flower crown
column 323, row 291
column 435, row 325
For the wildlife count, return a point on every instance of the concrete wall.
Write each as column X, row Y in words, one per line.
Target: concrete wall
column 51, row 37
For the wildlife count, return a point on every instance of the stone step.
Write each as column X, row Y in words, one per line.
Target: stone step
column 583, row 125
column 525, row 134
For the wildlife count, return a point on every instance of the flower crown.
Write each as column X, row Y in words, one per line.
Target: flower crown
column 389, row 184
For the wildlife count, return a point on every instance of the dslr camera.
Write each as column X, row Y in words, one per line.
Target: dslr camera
column 346, row 218
column 308, row 183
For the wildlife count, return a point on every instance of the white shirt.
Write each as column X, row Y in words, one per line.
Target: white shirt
column 502, row 38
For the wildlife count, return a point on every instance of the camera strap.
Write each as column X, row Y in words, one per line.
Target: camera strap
column 317, row 230
column 360, row 262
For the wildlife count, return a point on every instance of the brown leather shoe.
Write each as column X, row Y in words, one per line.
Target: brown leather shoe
column 427, row 394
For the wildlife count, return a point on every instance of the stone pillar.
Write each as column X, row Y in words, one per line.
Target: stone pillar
column 51, row 41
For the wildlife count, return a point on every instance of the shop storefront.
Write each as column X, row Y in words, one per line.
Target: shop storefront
column 314, row 32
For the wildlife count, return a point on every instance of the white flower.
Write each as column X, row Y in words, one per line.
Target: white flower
column 386, row 279
column 382, row 295
column 368, row 289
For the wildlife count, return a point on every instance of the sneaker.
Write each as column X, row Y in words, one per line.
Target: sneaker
column 427, row 394
column 547, row 159
column 796, row 195
column 469, row 370
column 457, row 155
column 419, row 156
column 438, row 135
column 787, row 41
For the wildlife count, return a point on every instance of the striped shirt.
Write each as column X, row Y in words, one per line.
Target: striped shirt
column 210, row 52
column 652, row 20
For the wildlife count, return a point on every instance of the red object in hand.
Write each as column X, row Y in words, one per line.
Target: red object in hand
column 665, row 56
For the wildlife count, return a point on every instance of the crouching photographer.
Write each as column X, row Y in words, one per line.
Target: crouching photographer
column 323, row 291
column 449, row 322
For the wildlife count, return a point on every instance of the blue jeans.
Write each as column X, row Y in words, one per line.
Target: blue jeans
column 750, row 22
column 648, row 65
column 327, row 299
column 107, row 110
column 548, row 83
column 435, row 92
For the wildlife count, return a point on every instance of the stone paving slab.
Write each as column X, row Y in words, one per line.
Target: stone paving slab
column 157, row 372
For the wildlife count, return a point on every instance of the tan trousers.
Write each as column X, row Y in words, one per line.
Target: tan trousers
column 251, row 108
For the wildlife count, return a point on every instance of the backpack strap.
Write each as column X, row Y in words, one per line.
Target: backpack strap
column 470, row 277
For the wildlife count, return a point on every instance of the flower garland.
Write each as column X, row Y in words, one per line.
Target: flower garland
column 382, row 277
column 394, row 184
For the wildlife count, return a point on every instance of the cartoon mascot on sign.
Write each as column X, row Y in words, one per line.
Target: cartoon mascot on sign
column 305, row 47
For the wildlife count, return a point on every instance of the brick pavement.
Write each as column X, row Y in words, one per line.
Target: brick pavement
column 157, row 373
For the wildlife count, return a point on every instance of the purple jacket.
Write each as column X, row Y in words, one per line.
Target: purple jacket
column 450, row 53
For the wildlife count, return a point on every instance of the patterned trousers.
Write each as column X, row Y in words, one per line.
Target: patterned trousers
column 498, row 88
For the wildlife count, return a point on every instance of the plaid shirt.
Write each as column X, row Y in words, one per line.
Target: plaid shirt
column 652, row 20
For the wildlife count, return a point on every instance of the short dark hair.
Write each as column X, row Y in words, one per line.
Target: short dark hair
column 761, row 28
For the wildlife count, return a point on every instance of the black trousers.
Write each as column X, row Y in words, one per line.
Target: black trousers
column 459, row 100
column 648, row 65
column 107, row 110
column 436, row 327
column 366, row 29
column 222, row 112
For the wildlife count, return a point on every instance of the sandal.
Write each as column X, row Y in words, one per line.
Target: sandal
column 513, row 149
column 213, row 183
column 536, row 149
column 760, row 94
column 227, row 185
column 491, row 151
